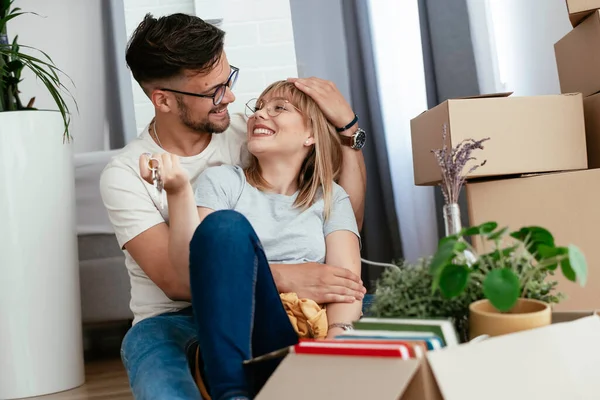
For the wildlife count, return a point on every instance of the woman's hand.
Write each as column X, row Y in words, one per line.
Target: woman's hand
column 173, row 176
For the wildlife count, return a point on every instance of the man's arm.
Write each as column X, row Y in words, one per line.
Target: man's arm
column 322, row 283
column 150, row 250
column 353, row 177
column 141, row 229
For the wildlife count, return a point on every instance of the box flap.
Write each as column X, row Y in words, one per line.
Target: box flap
column 484, row 96
column 556, row 362
column 568, row 316
column 582, row 6
column 301, row 377
column 269, row 356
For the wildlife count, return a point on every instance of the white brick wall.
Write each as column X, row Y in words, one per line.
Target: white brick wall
column 259, row 41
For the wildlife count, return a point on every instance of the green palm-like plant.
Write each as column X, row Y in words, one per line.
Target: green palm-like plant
column 12, row 63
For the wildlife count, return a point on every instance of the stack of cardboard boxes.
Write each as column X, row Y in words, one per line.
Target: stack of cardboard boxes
column 578, row 62
column 541, row 156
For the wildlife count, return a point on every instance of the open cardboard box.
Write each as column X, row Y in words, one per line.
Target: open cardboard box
column 557, row 362
column 527, row 134
column 567, row 204
column 581, row 9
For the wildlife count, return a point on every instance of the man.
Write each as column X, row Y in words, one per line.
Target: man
column 180, row 64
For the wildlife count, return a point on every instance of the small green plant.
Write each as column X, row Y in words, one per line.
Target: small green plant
column 405, row 292
column 504, row 273
column 12, row 63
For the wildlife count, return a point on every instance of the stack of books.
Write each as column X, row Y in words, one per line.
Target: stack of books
column 386, row 337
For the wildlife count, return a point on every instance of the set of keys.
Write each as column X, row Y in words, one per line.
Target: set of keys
column 153, row 165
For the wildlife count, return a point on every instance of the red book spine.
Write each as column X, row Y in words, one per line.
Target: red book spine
column 399, row 351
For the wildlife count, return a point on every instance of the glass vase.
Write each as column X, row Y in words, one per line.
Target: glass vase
column 452, row 219
column 453, row 225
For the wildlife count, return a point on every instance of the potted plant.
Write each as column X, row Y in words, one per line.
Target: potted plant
column 406, row 292
column 40, row 338
column 510, row 286
column 508, row 274
column 12, row 63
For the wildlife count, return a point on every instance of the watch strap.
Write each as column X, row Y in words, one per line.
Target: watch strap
column 347, row 140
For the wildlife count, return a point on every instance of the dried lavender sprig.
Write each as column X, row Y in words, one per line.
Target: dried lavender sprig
column 452, row 164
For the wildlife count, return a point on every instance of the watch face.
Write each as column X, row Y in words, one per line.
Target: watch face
column 360, row 139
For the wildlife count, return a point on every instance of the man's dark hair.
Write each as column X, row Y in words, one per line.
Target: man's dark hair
column 163, row 48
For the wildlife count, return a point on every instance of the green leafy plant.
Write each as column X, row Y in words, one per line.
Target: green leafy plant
column 12, row 63
column 504, row 273
column 405, row 292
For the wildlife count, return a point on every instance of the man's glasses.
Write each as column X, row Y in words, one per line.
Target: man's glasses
column 219, row 92
column 274, row 106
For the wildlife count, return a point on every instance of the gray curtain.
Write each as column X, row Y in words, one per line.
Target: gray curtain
column 450, row 69
column 119, row 107
column 381, row 233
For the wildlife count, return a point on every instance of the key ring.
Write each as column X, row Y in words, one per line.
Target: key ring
column 150, row 163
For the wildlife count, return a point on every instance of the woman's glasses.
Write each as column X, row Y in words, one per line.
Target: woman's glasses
column 273, row 106
column 220, row 90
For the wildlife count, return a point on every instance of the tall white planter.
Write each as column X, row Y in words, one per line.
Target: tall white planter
column 40, row 312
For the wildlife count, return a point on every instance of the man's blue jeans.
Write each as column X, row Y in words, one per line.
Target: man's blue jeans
column 237, row 314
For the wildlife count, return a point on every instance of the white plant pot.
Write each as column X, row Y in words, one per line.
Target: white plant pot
column 41, row 348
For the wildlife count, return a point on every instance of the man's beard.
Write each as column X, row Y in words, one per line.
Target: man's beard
column 203, row 126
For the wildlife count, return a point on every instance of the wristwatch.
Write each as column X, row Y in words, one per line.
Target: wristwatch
column 356, row 141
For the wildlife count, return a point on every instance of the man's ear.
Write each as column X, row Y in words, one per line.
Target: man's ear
column 161, row 100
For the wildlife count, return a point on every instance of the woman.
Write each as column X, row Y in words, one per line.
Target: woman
column 284, row 208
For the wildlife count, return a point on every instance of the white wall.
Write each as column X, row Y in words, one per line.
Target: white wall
column 71, row 32
column 523, row 34
column 259, row 40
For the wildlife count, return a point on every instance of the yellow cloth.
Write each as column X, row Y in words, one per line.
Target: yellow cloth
column 307, row 317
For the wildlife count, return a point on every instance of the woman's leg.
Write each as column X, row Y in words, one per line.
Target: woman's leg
column 235, row 301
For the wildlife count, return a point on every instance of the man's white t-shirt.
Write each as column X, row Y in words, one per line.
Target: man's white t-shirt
column 133, row 206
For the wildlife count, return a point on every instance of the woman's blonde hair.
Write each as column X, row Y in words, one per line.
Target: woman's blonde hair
column 322, row 165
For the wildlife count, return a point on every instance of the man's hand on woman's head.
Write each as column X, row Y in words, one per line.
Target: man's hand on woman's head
column 319, row 282
column 331, row 101
column 174, row 177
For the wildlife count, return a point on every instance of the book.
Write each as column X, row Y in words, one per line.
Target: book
column 433, row 342
column 442, row 328
column 357, row 348
column 417, row 348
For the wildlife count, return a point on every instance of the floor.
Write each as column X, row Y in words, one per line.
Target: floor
column 104, row 379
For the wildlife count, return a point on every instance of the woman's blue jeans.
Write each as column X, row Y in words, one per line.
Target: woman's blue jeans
column 237, row 315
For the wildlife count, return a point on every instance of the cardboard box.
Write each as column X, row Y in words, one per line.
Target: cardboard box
column 527, row 134
column 578, row 59
column 301, row 377
column 591, row 110
column 567, row 204
column 556, row 362
column 581, row 9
